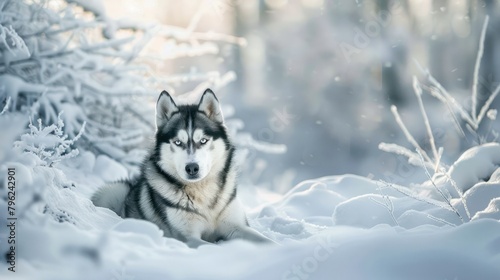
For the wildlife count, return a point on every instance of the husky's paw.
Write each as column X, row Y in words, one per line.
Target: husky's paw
column 197, row 242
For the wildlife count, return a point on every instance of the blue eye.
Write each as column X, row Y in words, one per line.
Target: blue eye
column 177, row 142
column 203, row 141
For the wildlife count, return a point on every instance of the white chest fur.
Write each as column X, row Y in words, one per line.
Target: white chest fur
column 208, row 202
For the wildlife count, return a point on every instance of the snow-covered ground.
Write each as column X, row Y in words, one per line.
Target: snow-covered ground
column 337, row 227
column 334, row 227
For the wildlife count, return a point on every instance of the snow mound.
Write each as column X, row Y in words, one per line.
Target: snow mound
column 345, row 227
column 479, row 196
column 492, row 211
column 108, row 169
column 475, row 165
column 149, row 232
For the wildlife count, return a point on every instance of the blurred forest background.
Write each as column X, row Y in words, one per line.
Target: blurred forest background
column 316, row 75
column 320, row 75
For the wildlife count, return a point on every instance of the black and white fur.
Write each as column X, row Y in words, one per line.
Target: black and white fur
column 187, row 184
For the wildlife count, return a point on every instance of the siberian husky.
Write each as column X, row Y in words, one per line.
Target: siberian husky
column 187, row 184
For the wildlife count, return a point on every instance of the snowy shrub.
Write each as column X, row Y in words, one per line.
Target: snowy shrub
column 449, row 194
column 12, row 47
column 56, row 58
column 49, row 143
column 70, row 56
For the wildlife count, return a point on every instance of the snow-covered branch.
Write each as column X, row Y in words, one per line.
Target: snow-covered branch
column 476, row 69
column 12, row 47
column 49, row 143
column 420, row 158
column 473, row 118
column 69, row 55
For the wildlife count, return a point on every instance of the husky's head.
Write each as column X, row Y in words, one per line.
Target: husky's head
column 191, row 140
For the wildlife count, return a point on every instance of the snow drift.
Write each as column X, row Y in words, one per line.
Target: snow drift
column 341, row 227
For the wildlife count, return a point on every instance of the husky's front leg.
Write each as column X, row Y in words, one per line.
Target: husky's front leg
column 193, row 239
column 195, row 242
column 190, row 230
column 247, row 233
column 233, row 225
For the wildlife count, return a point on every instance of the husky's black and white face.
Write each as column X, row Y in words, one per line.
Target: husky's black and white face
column 192, row 142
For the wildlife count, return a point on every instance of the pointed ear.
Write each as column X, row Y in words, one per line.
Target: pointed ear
column 165, row 108
column 210, row 106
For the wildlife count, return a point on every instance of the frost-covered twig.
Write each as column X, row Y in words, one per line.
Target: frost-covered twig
column 387, row 204
column 6, row 107
column 459, row 191
column 446, row 198
column 65, row 52
column 418, row 92
column 472, row 119
column 476, row 69
column 487, row 104
column 218, row 37
column 193, row 23
column 216, row 82
column 409, row 193
column 246, row 140
column 49, row 143
column 408, row 135
column 434, row 218
column 413, row 158
column 446, row 96
column 435, row 93
column 12, row 47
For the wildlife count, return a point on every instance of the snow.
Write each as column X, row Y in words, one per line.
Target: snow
column 109, row 169
column 468, row 170
column 479, row 196
column 330, row 227
column 333, row 227
column 492, row 211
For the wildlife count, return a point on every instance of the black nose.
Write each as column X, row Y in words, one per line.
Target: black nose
column 192, row 169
